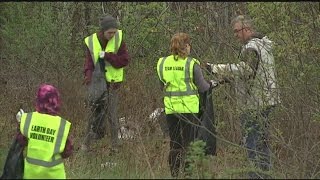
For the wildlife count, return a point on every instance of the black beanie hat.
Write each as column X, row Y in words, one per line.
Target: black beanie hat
column 107, row 22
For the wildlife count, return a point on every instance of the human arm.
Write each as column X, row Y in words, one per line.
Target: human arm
column 119, row 60
column 68, row 149
column 247, row 67
column 88, row 67
column 22, row 140
column 161, row 84
column 199, row 80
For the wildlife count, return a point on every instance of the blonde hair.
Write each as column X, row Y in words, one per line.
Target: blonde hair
column 178, row 45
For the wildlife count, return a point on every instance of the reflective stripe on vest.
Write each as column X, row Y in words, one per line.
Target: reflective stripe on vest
column 91, row 47
column 180, row 93
column 57, row 145
column 112, row 74
column 189, row 91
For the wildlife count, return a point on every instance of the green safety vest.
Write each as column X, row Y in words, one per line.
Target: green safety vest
column 180, row 93
column 47, row 136
column 112, row 74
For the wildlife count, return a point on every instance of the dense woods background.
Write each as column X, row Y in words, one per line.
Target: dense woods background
column 43, row 43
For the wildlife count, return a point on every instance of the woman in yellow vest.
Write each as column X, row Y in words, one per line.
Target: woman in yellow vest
column 45, row 134
column 181, row 80
column 106, row 52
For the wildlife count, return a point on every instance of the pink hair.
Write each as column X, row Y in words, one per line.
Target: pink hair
column 48, row 99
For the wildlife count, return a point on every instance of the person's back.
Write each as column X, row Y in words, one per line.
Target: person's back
column 180, row 89
column 46, row 136
column 181, row 80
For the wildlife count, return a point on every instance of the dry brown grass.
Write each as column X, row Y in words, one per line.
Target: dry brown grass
column 294, row 136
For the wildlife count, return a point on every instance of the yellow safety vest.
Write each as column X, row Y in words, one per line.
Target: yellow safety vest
column 47, row 136
column 181, row 94
column 112, row 74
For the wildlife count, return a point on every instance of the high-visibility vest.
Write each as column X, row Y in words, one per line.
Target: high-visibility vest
column 47, row 136
column 112, row 74
column 180, row 93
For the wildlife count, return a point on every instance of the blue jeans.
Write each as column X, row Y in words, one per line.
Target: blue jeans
column 255, row 125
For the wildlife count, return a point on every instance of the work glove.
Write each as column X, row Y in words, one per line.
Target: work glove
column 101, row 54
column 213, row 83
column 209, row 67
column 19, row 114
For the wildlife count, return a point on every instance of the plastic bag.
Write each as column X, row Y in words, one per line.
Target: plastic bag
column 14, row 165
column 98, row 83
column 207, row 131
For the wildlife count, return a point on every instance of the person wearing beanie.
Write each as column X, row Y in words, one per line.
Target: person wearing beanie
column 46, row 136
column 108, row 22
column 105, row 60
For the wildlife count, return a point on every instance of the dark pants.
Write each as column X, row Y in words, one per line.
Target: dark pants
column 256, row 138
column 105, row 107
column 181, row 132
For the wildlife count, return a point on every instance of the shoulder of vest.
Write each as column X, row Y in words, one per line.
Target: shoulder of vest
column 48, row 115
column 91, row 35
column 160, row 59
column 121, row 33
column 61, row 119
column 170, row 56
column 24, row 116
column 30, row 113
column 67, row 121
column 195, row 60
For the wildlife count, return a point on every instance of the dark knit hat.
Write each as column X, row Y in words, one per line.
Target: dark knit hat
column 107, row 22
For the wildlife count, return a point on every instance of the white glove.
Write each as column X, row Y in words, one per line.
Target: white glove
column 215, row 68
column 213, row 83
column 19, row 114
column 101, row 54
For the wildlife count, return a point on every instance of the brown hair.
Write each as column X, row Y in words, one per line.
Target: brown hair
column 178, row 45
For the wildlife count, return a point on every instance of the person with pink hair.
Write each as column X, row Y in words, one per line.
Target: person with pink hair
column 46, row 136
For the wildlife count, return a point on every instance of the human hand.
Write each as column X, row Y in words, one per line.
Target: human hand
column 19, row 114
column 208, row 66
column 213, row 83
column 86, row 80
column 110, row 56
column 101, row 54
